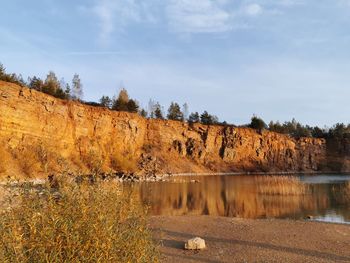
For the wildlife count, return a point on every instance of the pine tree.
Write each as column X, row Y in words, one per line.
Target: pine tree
column 194, row 117
column 158, row 113
column 143, row 113
column 67, row 91
column 2, row 71
column 121, row 103
column 132, row 106
column 208, row 119
column 106, row 101
column 35, row 83
column 174, row 112
column 257, row 123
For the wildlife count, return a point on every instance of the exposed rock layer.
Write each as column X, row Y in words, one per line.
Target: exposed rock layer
column 40, row 133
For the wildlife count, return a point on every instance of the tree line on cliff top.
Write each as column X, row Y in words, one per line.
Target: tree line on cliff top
column 74, row 91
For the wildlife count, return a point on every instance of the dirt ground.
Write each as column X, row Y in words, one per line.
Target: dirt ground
column 245, row 240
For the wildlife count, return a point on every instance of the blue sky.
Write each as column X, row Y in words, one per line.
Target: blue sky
column 278, row 59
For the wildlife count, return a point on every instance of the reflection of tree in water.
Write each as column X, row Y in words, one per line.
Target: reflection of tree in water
column 238, row 196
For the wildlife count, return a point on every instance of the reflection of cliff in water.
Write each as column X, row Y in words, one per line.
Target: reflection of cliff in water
column 237, row 196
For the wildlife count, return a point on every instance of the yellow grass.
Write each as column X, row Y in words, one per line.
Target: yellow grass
column 83, row 223
column 280, row 185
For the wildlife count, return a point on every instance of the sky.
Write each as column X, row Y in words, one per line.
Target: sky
column 278, row 59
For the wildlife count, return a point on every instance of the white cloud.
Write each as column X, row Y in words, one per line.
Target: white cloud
column 115, row 15
column 286, row 3
column 198, row 16
column 253, row 9
column 180, row 16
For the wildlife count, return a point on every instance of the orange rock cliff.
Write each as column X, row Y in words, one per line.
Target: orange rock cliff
column 41, row 134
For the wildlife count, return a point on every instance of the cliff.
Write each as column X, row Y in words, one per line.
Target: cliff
column 40, row 134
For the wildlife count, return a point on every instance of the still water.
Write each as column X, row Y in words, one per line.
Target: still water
column 321, row 197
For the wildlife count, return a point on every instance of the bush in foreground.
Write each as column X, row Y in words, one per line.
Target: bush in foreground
column 99, row 223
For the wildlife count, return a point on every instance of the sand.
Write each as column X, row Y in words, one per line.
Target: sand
column 248, row 240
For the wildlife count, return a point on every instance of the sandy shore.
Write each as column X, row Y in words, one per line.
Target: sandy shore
column 245, row 240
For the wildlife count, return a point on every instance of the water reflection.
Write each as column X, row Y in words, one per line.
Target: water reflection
column 242, row 196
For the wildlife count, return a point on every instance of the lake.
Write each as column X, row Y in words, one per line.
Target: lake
column 319, row 197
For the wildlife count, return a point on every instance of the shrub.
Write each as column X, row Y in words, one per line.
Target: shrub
column 257, row 124
column 87, row 223
column 94, row 161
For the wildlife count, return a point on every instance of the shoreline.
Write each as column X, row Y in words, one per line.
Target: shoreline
column 134, row 178
column 251, row 240
column 261, row 173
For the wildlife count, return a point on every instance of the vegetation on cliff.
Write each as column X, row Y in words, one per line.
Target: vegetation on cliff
column 60, row 89
column 67, row 136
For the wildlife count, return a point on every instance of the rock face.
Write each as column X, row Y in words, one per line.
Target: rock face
column 196, row 243
column 40, row 134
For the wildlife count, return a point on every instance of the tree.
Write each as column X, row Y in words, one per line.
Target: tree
column 106, row 101
column 317, row 132
column 2, row 71
column 123, row 95
column 155, row 110
column 194, row 117
column 67, row 91
column 51, row 84
column 124, row 103
column 132, row 106
column 35, row 83
column 158, row 113
column 257, row 123
column 13, row 78
column 121, row 103
column 174, row 112
column 77, row 88
column 339, row 130
column 208, row 119
column 143, row 113
column 60, row 93
column 64, row 91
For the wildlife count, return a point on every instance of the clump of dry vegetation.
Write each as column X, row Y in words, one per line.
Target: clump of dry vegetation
column 280, row 185
column 30, row 161
column 76, row 223
column 93, row 161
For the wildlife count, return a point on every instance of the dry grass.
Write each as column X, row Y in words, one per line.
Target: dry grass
column 94, row 162
column 35, row 159
column 83, row 223
column 280, row 185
